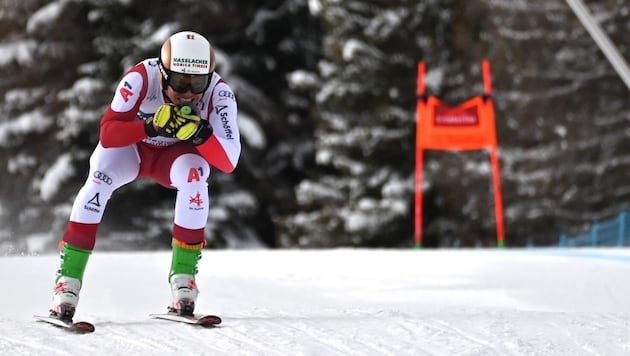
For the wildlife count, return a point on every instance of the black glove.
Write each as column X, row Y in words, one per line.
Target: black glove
column 204, row 131
column 149, row 128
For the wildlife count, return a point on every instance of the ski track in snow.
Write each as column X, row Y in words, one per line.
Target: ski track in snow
column 336, row 302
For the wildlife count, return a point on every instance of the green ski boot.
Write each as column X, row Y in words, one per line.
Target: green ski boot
column 182, row 277
column 68, row 281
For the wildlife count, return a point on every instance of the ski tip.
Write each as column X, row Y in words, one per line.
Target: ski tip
column 206, row 320
column 82, row 327
column 209, row 320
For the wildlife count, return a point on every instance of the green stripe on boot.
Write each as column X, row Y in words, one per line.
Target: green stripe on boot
column 185, row 258
column 73, row 262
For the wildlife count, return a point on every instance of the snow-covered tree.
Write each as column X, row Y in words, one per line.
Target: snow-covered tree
column 326, row 93
column 361, row 193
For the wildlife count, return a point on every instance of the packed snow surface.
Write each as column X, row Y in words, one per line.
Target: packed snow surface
column 335, row 302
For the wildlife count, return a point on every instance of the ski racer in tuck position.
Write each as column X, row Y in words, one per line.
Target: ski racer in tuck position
column 170, row 119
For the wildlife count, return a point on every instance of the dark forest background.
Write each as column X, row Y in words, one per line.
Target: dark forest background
column 326, row 93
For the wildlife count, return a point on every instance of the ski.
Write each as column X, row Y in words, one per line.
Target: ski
column 200, row 320
column 78, row 327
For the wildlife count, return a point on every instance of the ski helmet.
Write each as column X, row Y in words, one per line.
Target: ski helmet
column 187, row 62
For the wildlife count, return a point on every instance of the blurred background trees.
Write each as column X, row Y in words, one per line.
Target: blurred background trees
column 326, row 93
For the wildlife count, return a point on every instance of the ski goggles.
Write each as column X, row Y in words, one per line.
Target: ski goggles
column 181, row 83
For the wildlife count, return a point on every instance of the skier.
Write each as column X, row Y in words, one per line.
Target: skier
column 165, row 111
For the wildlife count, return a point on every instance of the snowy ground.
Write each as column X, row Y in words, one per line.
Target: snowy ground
column 336, row 302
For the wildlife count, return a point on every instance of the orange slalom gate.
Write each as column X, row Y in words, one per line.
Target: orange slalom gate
column 467, row 126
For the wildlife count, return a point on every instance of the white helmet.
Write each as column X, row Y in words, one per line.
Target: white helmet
column 190, row 54
column 187, row 52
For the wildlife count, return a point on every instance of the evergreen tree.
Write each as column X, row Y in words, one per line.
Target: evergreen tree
column 362, row 190
column 326, row 93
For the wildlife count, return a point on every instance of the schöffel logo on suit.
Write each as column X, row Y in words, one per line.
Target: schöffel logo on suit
column 102, row 177
column 225, row 121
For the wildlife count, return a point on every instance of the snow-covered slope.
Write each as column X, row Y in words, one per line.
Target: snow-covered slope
column 336, row 302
